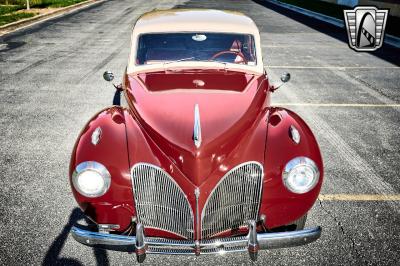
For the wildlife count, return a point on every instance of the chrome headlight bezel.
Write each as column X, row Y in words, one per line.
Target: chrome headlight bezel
column 98, row 169
column 295, row 164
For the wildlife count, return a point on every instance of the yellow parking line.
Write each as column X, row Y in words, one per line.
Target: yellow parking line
column 358, row 197
column 337, row 104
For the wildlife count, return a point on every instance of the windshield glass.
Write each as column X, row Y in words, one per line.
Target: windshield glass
column 172, row 47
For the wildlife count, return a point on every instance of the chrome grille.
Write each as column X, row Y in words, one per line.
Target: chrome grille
column 160, row 202
column 234, row 201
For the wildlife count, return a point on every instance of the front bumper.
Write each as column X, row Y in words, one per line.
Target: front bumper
column 142, row 245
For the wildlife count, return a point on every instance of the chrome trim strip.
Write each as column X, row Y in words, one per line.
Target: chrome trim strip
column 197, row 195
column 186, row 247
column 215, row 242
column 197, row 127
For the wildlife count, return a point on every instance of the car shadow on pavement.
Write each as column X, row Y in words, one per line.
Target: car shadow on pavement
column 53, row 254
column 387, row 53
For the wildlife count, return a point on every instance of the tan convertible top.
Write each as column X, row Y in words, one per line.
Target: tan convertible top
column 177, row 20
column 194, row 20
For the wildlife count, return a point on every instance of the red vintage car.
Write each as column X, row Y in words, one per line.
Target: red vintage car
column 193, row 159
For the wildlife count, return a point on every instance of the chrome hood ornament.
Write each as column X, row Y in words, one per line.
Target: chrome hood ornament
column 197, row 127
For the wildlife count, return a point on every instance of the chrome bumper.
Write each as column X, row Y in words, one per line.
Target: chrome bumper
column 142, row 245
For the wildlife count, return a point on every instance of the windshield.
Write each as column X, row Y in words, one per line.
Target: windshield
column 171, row 47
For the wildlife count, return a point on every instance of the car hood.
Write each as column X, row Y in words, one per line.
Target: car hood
column 164, row 104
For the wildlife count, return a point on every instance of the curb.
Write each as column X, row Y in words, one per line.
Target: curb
column 17, row 25
column 388, row 39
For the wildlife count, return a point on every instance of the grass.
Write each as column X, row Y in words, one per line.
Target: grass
column 55, row 3
column 40, row 3
column 9, row 8
column 336, row 11
column 8, row 14
column 8, row 18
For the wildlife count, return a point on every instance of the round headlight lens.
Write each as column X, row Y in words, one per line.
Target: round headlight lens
column 300, row 175
column 91, row 179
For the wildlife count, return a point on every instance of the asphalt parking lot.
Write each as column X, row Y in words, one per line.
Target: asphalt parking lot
column 51, row 84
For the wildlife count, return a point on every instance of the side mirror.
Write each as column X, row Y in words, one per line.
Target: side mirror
column 108, row 76
column 285, row 77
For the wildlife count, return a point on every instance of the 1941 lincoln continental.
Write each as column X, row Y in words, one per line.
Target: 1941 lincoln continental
column 191, row 158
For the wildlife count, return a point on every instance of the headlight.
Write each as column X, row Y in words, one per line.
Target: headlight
column 91, row 179
column 300, row 175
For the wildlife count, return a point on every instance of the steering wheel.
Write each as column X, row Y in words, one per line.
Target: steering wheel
column 240, row 54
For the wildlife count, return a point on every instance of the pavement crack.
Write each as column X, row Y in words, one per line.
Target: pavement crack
column 370, row 86
column 355, row 251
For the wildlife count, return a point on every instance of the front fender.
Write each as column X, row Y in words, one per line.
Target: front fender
column 279, row 205
column 116, row 205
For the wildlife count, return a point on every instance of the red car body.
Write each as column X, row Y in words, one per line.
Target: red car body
column 238, row 124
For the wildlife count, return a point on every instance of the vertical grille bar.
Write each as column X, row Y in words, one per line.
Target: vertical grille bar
column 160, row 202
column 234, row 200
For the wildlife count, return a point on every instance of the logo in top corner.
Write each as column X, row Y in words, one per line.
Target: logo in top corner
column 365, row 27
